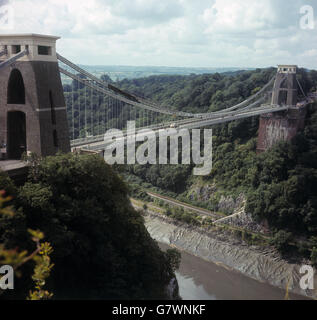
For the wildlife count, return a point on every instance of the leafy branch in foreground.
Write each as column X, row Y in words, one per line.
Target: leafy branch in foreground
column 41, row 256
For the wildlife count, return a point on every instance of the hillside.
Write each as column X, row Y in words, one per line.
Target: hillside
column 279, row 185
column 200, row 93
column 118, row 73
column 101, row 249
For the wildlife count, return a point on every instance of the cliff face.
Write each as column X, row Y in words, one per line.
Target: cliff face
column 282, row 126
column 209, row 192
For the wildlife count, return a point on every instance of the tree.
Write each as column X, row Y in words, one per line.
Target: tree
column 102, row 249
column 281, row 241
column 105, row 78
column 313, row 257
column 174, row 257
column 16, row 259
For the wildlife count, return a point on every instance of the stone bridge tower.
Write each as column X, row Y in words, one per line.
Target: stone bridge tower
column 285, row 86
column 32, row 106
column 283, row 125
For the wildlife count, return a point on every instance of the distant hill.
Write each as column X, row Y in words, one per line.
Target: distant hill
column 130, row 72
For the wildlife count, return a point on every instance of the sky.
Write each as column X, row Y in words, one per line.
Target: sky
column 180, row 33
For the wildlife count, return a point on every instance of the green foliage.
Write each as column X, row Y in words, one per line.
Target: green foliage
column 281, row 241
column 279, row 184
column 101, row 247
column 43, row 267
column 181, row 215
column 174, row 257
column 204, row 93
column 313, row 257
column 40, row 257
column 7, row 184
column 284, row 184
column 168, row 177
column 199, row 93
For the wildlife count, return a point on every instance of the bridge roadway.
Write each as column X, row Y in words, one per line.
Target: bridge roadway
column 97, row 143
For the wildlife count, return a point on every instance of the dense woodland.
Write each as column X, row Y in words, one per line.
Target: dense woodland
column 280, row 184
column 101, row 249
column 200, row 93
column 91, row 114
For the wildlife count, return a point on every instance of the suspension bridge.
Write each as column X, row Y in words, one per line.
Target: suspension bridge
column 109, row 107
column 30, row 77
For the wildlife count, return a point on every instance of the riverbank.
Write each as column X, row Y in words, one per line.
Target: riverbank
column 199, row 279
column 259, row 263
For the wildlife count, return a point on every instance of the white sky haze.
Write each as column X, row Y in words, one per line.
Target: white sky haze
column 185, row 33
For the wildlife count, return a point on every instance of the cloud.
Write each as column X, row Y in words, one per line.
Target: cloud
column 78, row 17
column 152, row 11
column 174, row 32
column 269, row 29
column 238, row 16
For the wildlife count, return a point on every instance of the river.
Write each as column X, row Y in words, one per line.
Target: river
column 199, row 279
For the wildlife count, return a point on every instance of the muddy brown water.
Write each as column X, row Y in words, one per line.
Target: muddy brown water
column 199, row 279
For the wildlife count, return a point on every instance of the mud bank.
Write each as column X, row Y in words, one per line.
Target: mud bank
column 262, row 264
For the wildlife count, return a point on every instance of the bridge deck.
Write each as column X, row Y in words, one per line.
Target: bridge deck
column 8, row 165
column 14, row 168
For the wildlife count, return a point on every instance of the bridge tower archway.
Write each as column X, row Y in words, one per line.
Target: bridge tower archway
column 16, row 134
column 16, row 89
column 285, row 86
column 32, row 105
column 284, row 125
